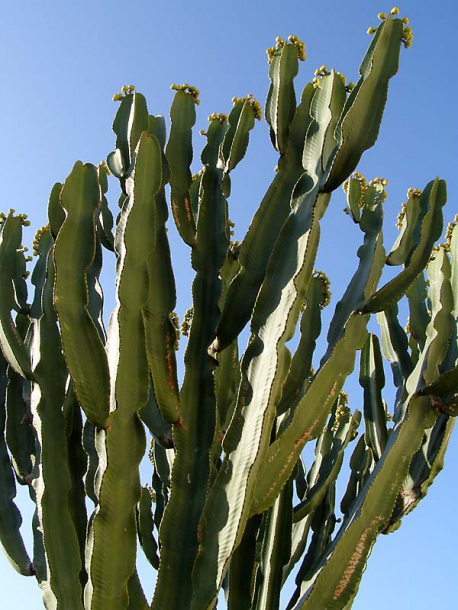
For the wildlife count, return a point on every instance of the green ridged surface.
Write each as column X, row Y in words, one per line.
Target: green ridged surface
column 137, row 599
column 322, row 525
column 281, row 97
column 306, row 422
column 267, row 222
column 359, row 125
column 419, row 316
column 105, row 219
column 247, row 440
column 145, row 528
column 409, row 234
column 53, row 484
column 231, row 501
column 77, row 462
column 329, row 454
column 19, row 431
column 12, row 264
column 10, row 517
column 431, row 229
column 309, row 416
column 113, row 535
column 274, row 548
column 426, row 465
column 331, row 586
column 194, row 437
column 235, row 143
column 89, row 446
column 371, row 255
column 325, row 106
column 130, row 121
column 56, row 213
column 160, row 333
column 113, row 531
column 372, row 379
column 179, row 156
column 240, row 582
column 395, row 345
column 153, row 420
column 74, row 254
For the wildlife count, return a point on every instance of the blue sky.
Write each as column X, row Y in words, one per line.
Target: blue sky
column 61, row 62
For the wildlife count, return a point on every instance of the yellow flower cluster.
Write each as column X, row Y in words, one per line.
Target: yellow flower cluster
column 187, row 320
column 279, row 43
column 253, row 103
column 326, row 283
column 407, row 35
column 220, row 116
column 151, row 451
column 377, row 181
column 299, row 45
column 356, row 176
column 414, row 193
column 348, row 87
column 382, row 182
column 22, row 217
column 186, row 88
column 173, row 317
column 341, row 410
column 104, row 167
column 125, row 90
column 322, row 71
column 37, row 239
column 319, row 73
column 230, row 227
column 28, row 259
column 400, row 217
column 449, row 234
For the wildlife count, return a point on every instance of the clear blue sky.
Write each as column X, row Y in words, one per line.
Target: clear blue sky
column 60, row 64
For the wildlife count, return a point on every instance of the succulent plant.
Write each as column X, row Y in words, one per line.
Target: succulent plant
column 232, row 502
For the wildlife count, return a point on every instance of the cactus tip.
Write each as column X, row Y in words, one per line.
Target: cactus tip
column 189, row 89
column 253, row 102
column 413, row 193
column 37, row 239
column 125, row 90
column 220, row 116
column 104, row 167
column 300, row 46
column 279, row 43
column 319, row 73
column 326, row 283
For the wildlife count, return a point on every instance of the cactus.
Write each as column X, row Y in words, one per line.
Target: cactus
column 231, row 502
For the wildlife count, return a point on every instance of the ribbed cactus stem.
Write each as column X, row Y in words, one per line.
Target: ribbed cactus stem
column 227, row 497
